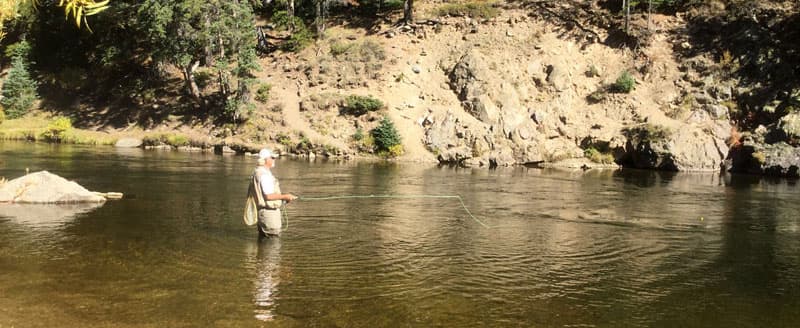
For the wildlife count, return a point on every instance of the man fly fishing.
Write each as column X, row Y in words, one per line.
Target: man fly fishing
column 265, row 195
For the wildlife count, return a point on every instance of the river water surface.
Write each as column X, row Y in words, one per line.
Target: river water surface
column 563, row 249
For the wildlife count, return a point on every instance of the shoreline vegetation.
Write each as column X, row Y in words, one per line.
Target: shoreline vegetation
column 469, row 83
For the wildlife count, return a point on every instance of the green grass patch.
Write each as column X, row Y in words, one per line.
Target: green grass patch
column 474, row 9
column 43, row 128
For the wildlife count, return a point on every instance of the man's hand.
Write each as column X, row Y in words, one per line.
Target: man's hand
column 289, row 197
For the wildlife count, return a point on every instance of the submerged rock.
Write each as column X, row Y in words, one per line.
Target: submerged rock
column 45, row 188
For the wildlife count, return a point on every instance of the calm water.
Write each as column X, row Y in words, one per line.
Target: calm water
column 610, row 249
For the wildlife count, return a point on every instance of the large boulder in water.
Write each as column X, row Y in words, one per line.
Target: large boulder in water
column 686, row 149
column 46, row 188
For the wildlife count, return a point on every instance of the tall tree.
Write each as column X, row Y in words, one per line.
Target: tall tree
column 408, row 11
column 216, row 34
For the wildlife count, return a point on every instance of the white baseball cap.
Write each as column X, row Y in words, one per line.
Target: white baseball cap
column 266, row 153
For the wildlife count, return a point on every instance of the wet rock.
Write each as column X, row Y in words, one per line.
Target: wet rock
column 44, row 187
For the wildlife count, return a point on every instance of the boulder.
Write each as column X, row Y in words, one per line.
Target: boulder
column 128, row 143
column 44, row 187
column 779, row 159
column 455, row 155
column 686, row 149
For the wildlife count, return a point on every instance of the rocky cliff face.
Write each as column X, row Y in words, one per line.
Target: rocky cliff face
column 535, row 114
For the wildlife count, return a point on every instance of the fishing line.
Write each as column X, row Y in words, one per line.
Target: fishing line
column 460, row 200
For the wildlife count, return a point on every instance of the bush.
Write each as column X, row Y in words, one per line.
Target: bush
column 358, row 136
column 19, row 89
column 338, row 48
column 171, row 139
column 647, row 133
column 2, row 115
column 596, row 156
column 387, row 138
column 471, row 9
column 624, row 84
column 262, row 94
column 57, row 129
column 283, row 139
column 359, row 105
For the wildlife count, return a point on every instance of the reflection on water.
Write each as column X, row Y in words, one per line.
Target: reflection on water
column 609, row 249
column 267, row 276
column 44, row 215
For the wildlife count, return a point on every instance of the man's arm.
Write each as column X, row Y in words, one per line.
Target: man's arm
column 284, row 197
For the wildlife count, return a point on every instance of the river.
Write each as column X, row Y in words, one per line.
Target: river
column 560, row 249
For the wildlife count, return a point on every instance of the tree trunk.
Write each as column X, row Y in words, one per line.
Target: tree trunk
column 408, row 11
column 319, row 20
column 191, row 84
column 627, row 4
column 290, row 13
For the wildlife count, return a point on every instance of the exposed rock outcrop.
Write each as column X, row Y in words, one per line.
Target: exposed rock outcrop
column 779, row 159
column 686, row 149
column 44, row 187
column 536, row 116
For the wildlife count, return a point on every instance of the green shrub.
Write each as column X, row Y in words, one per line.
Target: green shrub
column 203, row 78
column 300, row 38
column 57, row 129
column 262, row 94
column 338, row 48
column 596, row 156
column 19, row 89
column 359, row 105
column 284, row 22
column 625, row 83
column 304, row 145
column 2, row 115
column 387, row 138
column 172, row 139
column 647, row 133
column 359, row 135
column 472, row 9
column 283, row 139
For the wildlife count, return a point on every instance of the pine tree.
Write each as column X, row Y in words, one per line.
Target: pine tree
column 385, row 136
column 19, row 89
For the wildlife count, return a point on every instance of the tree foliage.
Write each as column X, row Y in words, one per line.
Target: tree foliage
column 387, row 138
column 19, row 89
